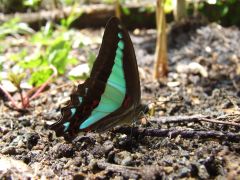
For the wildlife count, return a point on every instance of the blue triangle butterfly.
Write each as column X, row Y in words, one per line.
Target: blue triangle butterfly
column 111, row 95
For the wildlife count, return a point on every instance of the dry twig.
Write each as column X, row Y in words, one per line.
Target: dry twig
column 194, row 118
column 147, row 172
column 172, row 133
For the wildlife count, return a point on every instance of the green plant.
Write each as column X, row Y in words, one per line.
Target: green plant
column 168, row 6
column 108, row 1
column 67, row 2
column 1, row 65
column 26, row 97
column 13, row 27
column 66, row 22
column 34, row 4
column 91, row 59
column 222, row 11
column 48, row 56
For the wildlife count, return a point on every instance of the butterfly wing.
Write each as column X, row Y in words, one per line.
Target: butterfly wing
column 112, row 93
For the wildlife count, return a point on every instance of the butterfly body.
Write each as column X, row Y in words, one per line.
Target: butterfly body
column 111, row 95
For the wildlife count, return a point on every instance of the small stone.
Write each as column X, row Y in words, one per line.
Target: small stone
column 108, row 146
column 25, row 122
column 185, row 172
column 11, row 150
column 93, row 164
column 202, row 172
column 4, row 130
column 69, row 163
column 98, row 151
column 168, row 169
column 15, row 168
column 18, row 141
column 32, row 139
column 62, row 150
column 79, row 71
column 123, row 158
column 78, row 161
column 127, row 161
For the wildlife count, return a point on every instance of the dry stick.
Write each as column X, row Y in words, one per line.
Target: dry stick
column 172, row 133
column 145, row 172
column 194, row 118
column 132, row 172
column 220, row 122
column 89, row 13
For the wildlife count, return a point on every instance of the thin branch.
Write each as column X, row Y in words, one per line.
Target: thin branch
column 132, row 172
column 194, row 118
column 172, row 133
column 95, row 13
column 220, row 122
column 145, row 172
column 177, row 119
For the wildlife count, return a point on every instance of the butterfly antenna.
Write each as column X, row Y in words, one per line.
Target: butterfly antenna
column 143, row 113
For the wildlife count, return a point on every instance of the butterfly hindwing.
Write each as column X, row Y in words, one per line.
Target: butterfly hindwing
column 111, row 92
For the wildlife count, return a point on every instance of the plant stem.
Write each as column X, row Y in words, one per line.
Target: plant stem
column 14, row 103
column 161, row 64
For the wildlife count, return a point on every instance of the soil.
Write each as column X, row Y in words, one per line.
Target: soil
column 203, row 80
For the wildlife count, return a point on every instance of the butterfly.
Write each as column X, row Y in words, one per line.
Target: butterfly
column 111, row 95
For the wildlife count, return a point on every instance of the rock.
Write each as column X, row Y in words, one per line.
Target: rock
column 184, row 172
column 4, row 130
column 168, row 169
column 11, row 150
column 123, row 158
column 62, row 150
column 31, row 139
column 80, row 71
column 192, row 67
column 202, row 172
column 98, row 151
column 8, row 86
column 18, row 141
column 108, row 146
column 14, row 169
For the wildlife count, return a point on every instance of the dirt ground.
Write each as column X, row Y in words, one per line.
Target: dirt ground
column 204, row 69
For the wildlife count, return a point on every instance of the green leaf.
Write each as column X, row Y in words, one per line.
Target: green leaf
column 126, row 11
column 224, row 11
column 13, row 26
column 31, row 3
column 57, row 54
column 40, row 76
column 108, row 1
column 33, row 63
column 1, row 63
column 168, row 6
column 19, row 57
column 72, row 17
column 16, row 78
column 91, row 59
